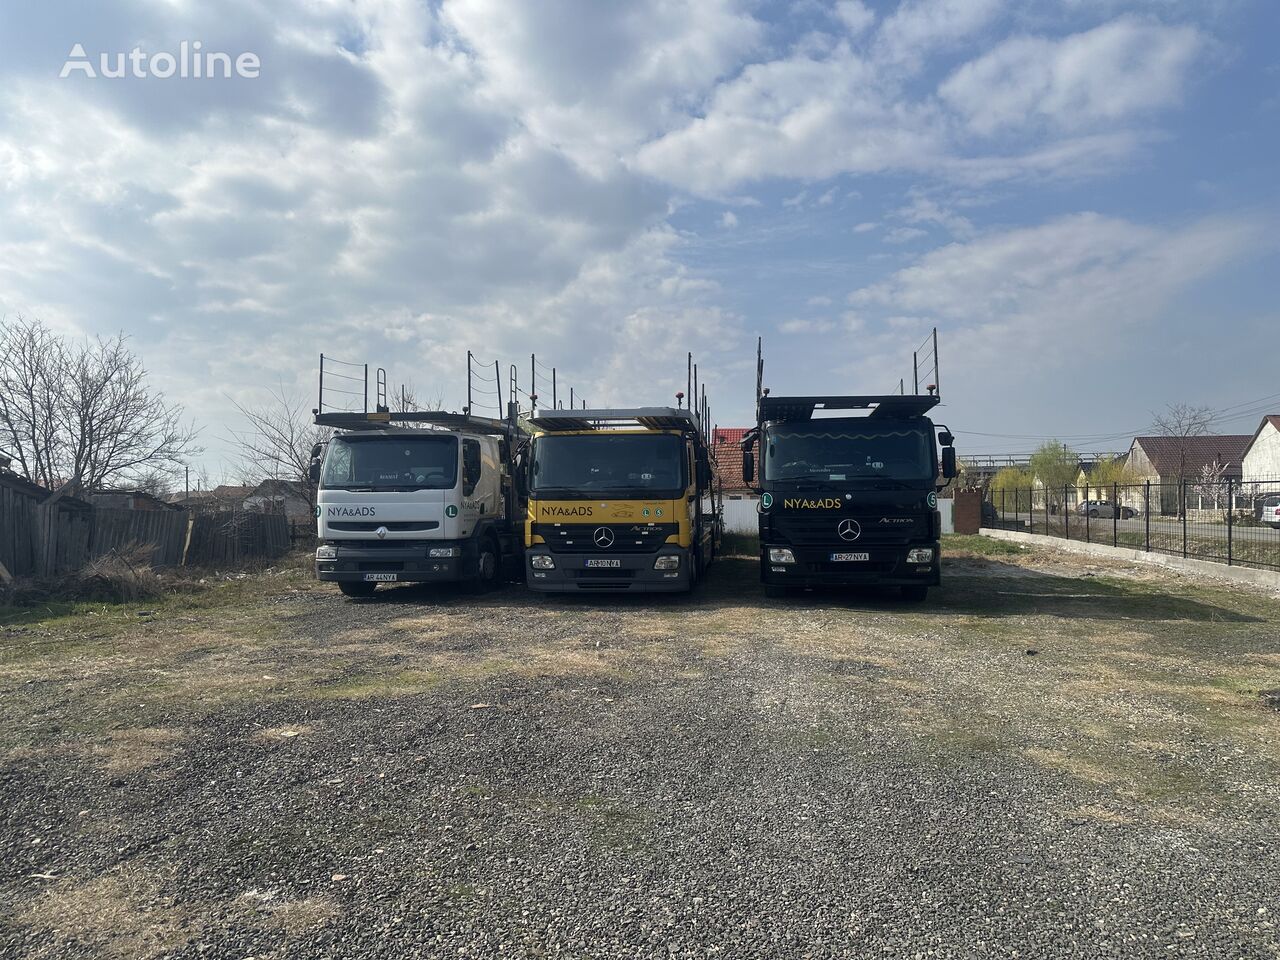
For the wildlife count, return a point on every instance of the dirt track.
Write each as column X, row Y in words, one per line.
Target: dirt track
column 1047, row 759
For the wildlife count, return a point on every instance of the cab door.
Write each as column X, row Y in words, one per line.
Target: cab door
column 473, row 505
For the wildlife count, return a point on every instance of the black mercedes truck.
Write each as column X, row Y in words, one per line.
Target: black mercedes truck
column 848, row 491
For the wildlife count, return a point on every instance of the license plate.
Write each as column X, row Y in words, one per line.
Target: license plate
column 381, row 577
column 846, row 557
column 604, row 563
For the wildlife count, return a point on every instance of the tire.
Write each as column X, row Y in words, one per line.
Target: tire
column 357, row 589
column 1094, row 514
column 916, row 593
column 487, row 565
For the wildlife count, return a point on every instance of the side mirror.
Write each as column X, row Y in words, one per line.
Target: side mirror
column 946, row 439
column 315, row 450
column 748, row 466
column 949, row 470
column 313, row 472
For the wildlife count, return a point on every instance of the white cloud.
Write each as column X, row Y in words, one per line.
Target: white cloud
column 918, row 27
column 865, row 227
column 1111, row 72
column 728, row 220
column 924, row 209
column 795, row 117
column 597, row 78
column 904, row 234
column 855, row 15
column 806, row 326
column 1067, row 312
column 1092, row 268
column 818, row 302
column 1064, row 107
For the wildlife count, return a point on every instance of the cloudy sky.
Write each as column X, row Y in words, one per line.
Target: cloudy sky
column 1080, row 194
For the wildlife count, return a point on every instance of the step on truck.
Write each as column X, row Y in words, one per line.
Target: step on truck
column 416, row 496
column 620, row 500
column 848, row 490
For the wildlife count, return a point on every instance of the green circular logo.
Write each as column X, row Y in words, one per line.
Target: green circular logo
column 933, row 499
column 451, row 511
column 766, row 501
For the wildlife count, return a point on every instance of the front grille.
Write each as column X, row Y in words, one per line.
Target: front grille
column 627, row 537
column 385, row 544
column 854, row 568
column 823, row 530
column 397, row 526
column 593, row 573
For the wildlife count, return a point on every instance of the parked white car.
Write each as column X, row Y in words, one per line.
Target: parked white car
column 1269, row 511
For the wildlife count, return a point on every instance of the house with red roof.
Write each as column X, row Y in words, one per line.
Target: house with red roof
column 1171, row 463
column 740, row 501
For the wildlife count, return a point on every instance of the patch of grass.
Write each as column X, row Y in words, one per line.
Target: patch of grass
column 740, row 545
column 398, row 684
column 979, row 546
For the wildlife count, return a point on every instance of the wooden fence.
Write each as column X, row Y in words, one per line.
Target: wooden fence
column 234, row 536
column 44, row 535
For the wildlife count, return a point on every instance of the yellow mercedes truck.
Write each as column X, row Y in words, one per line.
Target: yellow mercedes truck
column 619, row 500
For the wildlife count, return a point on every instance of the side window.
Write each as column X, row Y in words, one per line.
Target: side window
column 470, row 466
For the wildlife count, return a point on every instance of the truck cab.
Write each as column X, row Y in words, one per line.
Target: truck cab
column 619, row 501
column 848, row 491
column 426, row 498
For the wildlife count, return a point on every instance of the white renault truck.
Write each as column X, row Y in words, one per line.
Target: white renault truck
column 423, row 496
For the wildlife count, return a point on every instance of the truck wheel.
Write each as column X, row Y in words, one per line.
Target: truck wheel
column 487, row 565
column 357, row 588
column 915, row 594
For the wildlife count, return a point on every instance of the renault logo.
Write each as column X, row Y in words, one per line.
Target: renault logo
column 603, row 538
column 381, row 533
column 849, row 530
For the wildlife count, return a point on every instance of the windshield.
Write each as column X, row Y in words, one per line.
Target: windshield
column 391, row 463
column 633, row 462
column 835, row 450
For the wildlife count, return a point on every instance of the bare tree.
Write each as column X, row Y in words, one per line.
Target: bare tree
column 81, row 413
column 31, row 361
column 406, row 400
column 276, row 441
column 1183, row 420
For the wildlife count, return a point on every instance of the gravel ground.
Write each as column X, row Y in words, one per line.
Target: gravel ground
column 1052, row 757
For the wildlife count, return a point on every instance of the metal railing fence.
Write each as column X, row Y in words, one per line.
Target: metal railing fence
column 1224, row 520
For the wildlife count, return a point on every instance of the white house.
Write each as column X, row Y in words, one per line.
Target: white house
column 1261, row 464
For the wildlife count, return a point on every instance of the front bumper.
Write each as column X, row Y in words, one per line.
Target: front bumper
column 634, row 573
column 885, row 566
column 390, row 563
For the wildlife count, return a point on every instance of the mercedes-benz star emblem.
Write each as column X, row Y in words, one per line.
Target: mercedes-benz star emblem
column 381, row 533
column 603, row 537
column 849, row 530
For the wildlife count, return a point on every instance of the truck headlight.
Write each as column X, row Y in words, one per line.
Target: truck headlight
column 540, row 561
column 326, row 551
column 667, row 563
column 438, row 552
column 920, row 555
column 781, row 555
